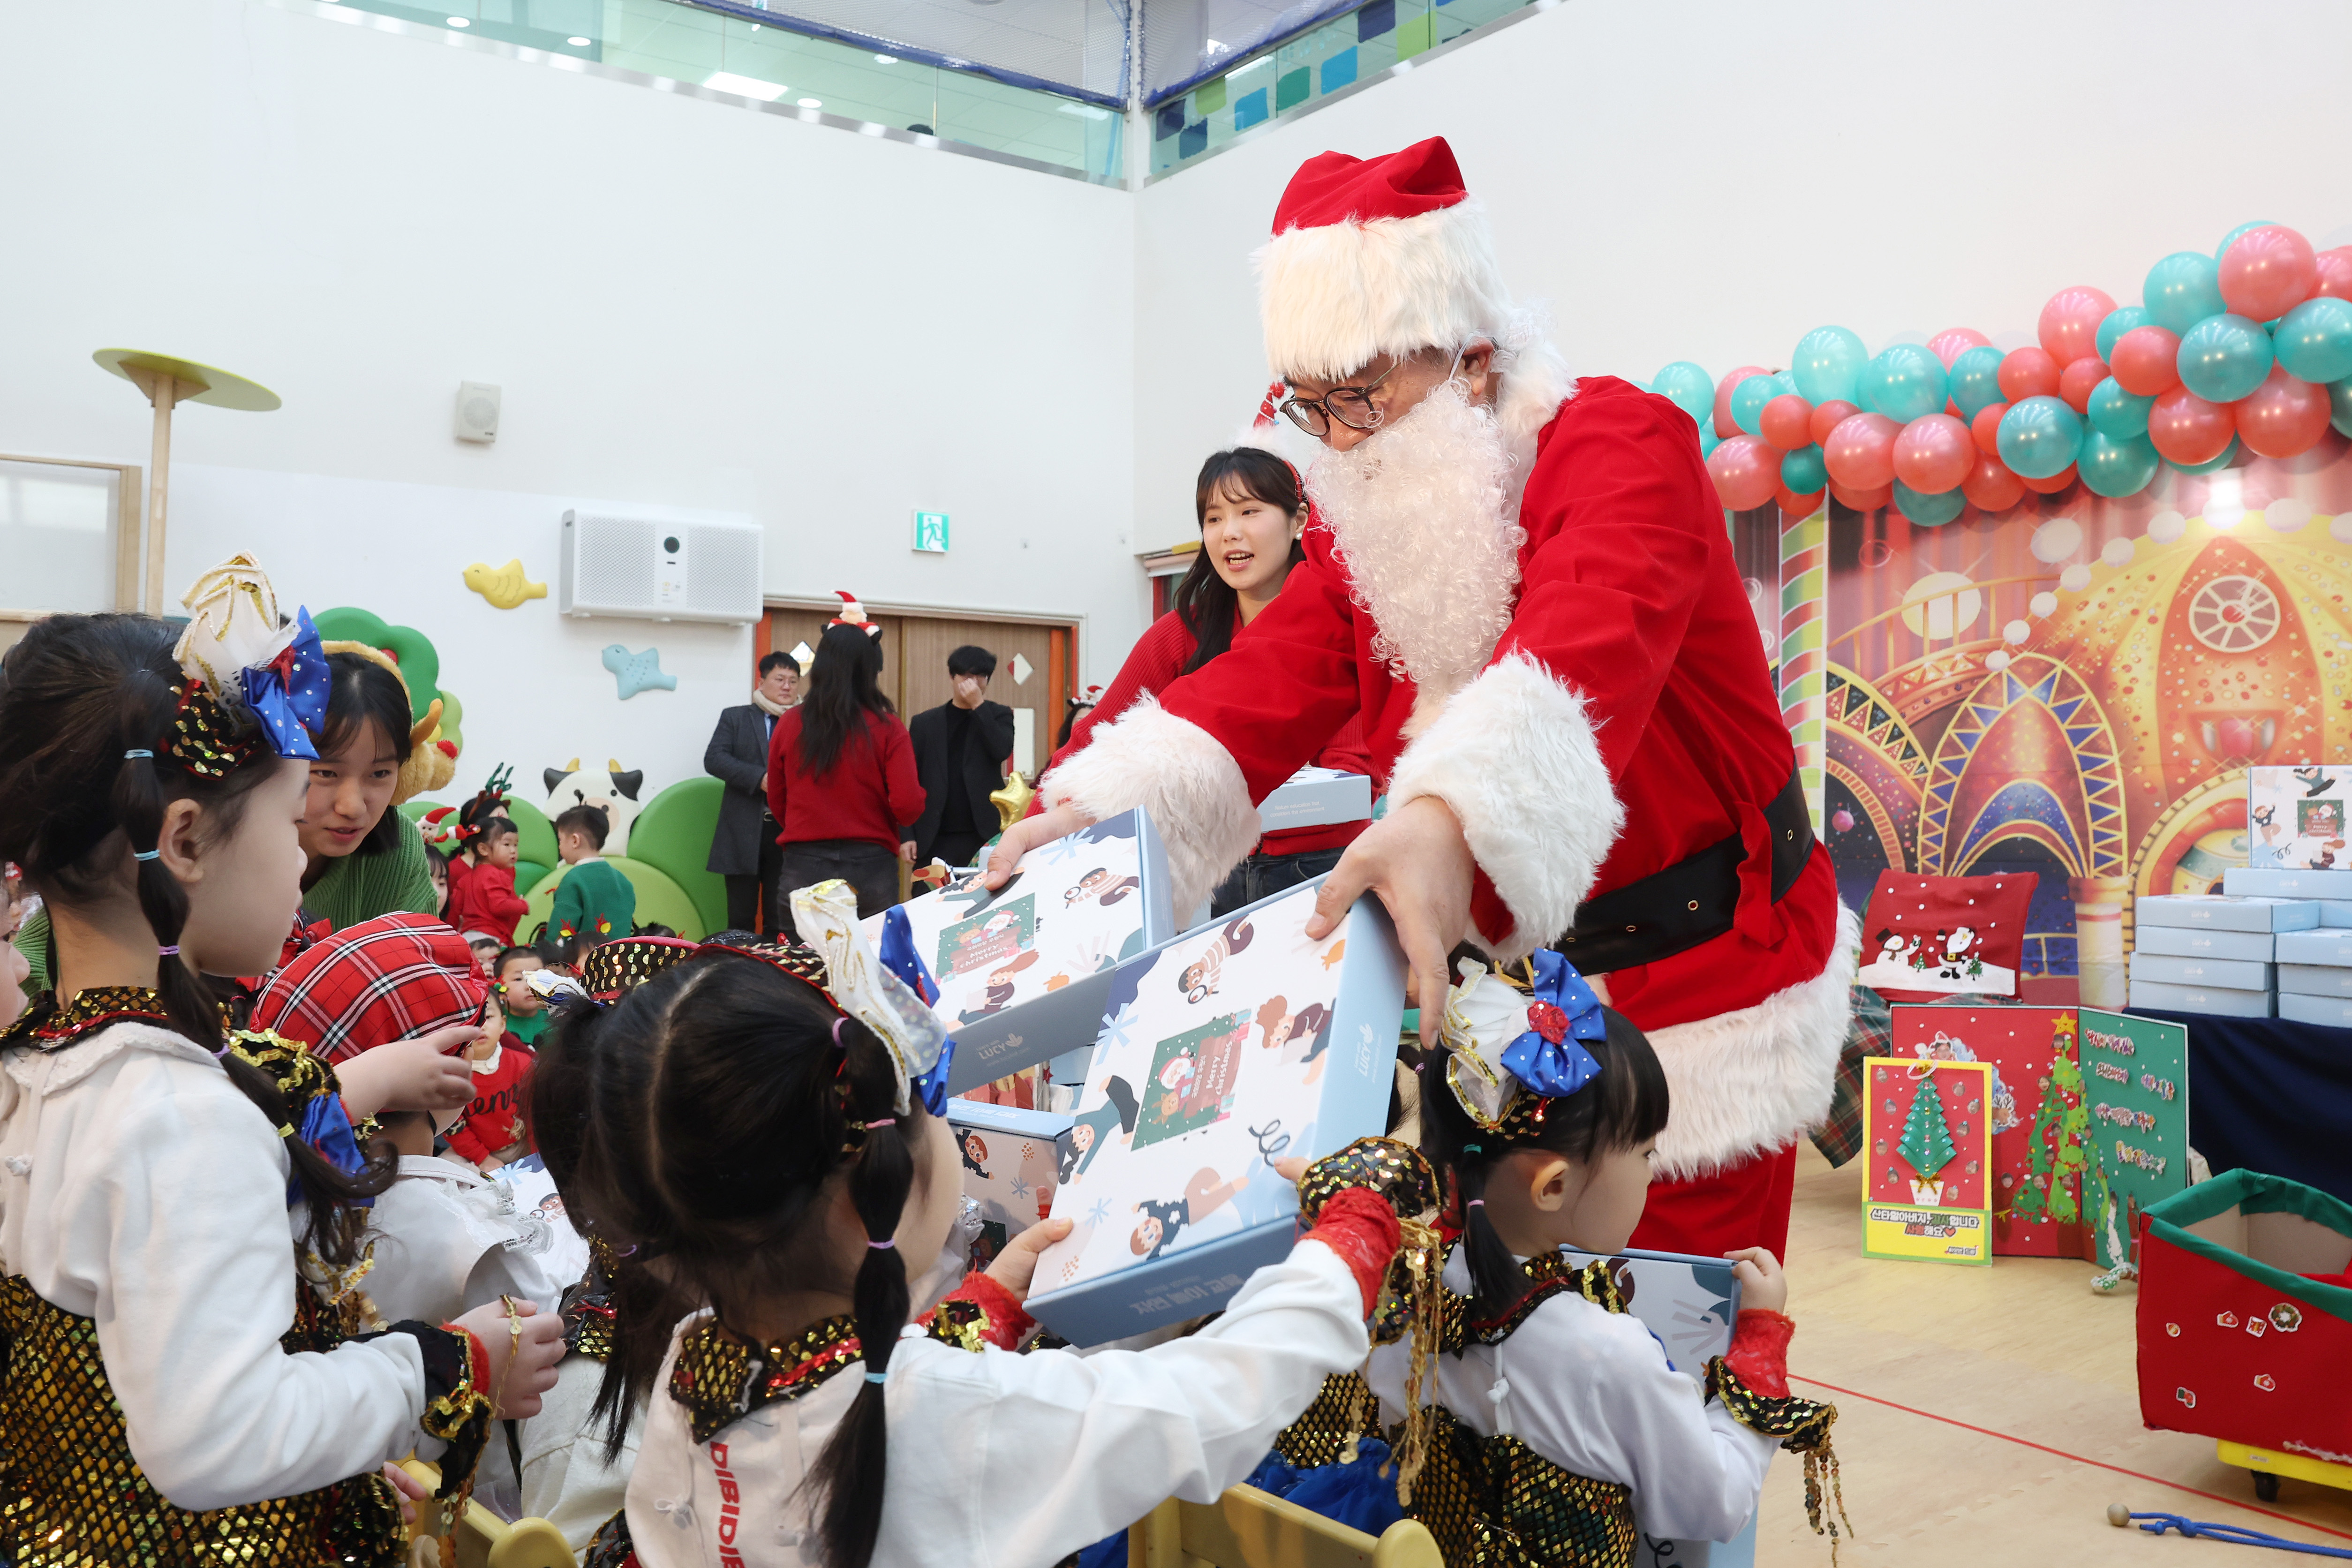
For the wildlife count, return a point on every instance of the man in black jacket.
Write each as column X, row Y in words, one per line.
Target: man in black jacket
column 961, row 749
column 744, row 848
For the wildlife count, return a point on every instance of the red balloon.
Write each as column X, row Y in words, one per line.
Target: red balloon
column 1725, row 425
column 1860, row 453
column 2079, row 380
column 2282, row 417
column 2147, row 362
column 2334, row 271
column 1787, row 422
column 1934, row 453
column 1828, row 416
column 1953, row 341
column 2188, row 430
column 1799, row 506
column 2051, row 485
column 1870, row 498
column 2267, row 272
column 1746, row 470
column 2069, row 328
column 1992, row 487
column 2030, row 373
column 1986, row 429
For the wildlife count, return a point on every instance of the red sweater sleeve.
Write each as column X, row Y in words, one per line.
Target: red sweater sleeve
column 1157, row 658
column 788, row 730
column 902, row 786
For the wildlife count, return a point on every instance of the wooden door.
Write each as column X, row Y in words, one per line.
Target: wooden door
column 1024, row 678
column 790, row 628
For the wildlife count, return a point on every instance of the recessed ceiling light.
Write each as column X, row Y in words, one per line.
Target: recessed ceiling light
column 460, row 22
column 812, row 104
column 577, row 43
column 886, row 59
column 749, row 87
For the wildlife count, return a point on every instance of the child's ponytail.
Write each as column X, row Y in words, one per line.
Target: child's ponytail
column 1496, row 1281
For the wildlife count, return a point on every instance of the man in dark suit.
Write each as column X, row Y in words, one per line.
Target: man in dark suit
column 961, row 749
column 744, row 848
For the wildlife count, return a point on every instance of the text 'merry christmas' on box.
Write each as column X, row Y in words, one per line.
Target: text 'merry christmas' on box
column 1023, row 971
column 2294, row 818
column 1234, row 1046
column 1314, row 796
column 1926, row 1194
column 1011, row 1159
column 2034, row 1111
column 2135, row 1082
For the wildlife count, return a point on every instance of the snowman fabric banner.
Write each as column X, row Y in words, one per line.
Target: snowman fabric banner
column 1924, row 938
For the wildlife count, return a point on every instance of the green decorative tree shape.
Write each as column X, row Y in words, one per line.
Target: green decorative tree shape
column 2057, row 1158
column 1926, row 1141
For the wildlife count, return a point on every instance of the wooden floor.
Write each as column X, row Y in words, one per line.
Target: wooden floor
column 1915, row 1355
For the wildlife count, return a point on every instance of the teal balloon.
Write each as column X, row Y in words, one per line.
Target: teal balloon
column 1688, row 387
column 1927, row 510
column 2118, row 321
column 2224, row 357
column 2183, row 289
column 1748, row 401
column 2230, row 238
column 2114, row 468
column 1976, row 380
column 2214, row 463
column 1802, row 470
column 2313, row 341
column 2340, row 406
column 1824, row 365
column 2039, row 436
column 1708, row 438
column 1787, row 384
column 1906, row 383
column 2116, row 414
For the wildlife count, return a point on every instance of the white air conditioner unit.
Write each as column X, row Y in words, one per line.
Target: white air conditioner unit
column 660, row 571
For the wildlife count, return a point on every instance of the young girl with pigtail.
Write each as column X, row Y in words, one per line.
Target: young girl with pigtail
column 764, row 1135
column 174, row 1390
column 1549, row 1425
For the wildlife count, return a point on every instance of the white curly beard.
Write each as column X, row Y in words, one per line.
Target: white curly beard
column 1421, row 517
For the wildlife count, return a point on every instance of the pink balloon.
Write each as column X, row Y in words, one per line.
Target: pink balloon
column 1746, row 470
column 1787, row 421
column 1869, row 500
column 2079, row 380
column 2282, row 417
column 1934, row 453
column 1725, row 425
column 1986, row 429
column 2335, row 267
column 2031, row 372
column 1954, row 341
column 2069, row 328
column 1860, row 453
column 2147, row 362
column 2187, row 430
column 2267, row 272
column 2051, row 484
column 1827, row 417
column 1797, row 505
column 1990, row 486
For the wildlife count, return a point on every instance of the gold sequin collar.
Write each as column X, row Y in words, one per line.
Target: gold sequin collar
column 46, row 1026
column 1546, row 1273
column 720, row 1380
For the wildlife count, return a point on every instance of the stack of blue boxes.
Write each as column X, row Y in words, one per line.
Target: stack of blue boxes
column 2204, row 953
column 2314, row 969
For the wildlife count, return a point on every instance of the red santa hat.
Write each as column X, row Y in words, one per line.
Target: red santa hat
column 853, row 614
column 1373, row 257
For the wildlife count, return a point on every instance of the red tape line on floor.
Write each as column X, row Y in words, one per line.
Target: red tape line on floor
column 2102, row 1464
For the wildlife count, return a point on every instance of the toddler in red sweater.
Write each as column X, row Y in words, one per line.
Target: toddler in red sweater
column 484, row 900
column 492, row 1133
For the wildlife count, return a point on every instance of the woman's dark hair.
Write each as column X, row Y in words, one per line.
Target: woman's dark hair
column 701, row 1121
column 843, row 687
column 1623, row 1108
column 1209, row 608
column 76, row 694
column 362, row 690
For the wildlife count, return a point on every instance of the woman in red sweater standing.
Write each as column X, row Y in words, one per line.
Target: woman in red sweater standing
column 841, row 774
column 1252, row 512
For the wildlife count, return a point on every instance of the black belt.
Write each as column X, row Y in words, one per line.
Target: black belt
column 1691, row 901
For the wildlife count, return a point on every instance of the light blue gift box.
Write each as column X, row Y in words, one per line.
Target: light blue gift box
column 2327, row 945
column 2315, row 978
column 2336, row 1012
column 1313, row 797
column 2200, row 942
column 2252, row 882
column 2212, row 1000
column 2218, row 913
column 2230, row 973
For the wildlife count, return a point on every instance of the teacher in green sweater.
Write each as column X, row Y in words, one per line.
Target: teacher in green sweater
column 365, row 859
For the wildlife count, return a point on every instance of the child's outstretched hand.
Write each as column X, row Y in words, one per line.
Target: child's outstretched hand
column 1017, row 1264
column 1763, row 1286
column 412, row 1491
column 535, row 1351
column 410, row 1075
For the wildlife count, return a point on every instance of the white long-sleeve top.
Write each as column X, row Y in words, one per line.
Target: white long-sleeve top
column 1590, row 1391
column 143, row 1190
column 448, row 1239
column 1000, row 1460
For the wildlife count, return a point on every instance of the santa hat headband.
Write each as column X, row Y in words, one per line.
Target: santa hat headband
column 1372, row 257
column 853, row 614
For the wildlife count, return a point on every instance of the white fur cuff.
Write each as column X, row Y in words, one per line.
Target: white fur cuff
column 1176, row 771
column 1749, row 1081
column 1513, row 755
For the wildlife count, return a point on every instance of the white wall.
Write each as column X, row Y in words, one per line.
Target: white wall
column 694, row 309
column 1710, row 182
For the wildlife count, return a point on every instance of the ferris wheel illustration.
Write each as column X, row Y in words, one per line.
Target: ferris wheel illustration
column 2234, row 614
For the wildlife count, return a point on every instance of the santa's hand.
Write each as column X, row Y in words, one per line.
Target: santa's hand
column 1016, row 1265
column 1417, row 860
column 1026, row 835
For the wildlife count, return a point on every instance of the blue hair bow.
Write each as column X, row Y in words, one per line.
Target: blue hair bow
column 288, row 694
column 898, row 956
column 1562, row 1010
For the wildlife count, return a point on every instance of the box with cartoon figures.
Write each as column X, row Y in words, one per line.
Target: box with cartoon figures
column 2294, row 818
column 1023, row 970
column 1011, row 1159
column 1313, row 796
column 1234, row 1046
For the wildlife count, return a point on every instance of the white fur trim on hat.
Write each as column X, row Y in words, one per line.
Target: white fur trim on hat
column 1176, row 771
column 1337, row 296
column 1513, row 755
column 1749, row 1081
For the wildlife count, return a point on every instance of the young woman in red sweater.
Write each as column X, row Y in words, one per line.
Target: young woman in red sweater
column 841, row 775
column 1251, row 512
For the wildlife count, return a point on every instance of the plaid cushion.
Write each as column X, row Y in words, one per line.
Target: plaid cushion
column 1871, row 1033
column 391, row 978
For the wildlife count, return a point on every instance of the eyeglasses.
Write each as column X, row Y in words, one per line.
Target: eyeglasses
column 1350, row 406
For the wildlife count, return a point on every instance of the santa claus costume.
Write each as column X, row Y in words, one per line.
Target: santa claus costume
column 1532, row 605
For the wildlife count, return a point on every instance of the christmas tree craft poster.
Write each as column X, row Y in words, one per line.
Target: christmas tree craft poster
column 2137, row 1093
column 1928, row 1137
column 2040, row 1126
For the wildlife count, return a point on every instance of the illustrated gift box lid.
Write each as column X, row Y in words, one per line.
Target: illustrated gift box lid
column 1313, row 796
column 1009, row 1158
column 1021, row 972
column 2295, row 817
column 1233, row 1047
